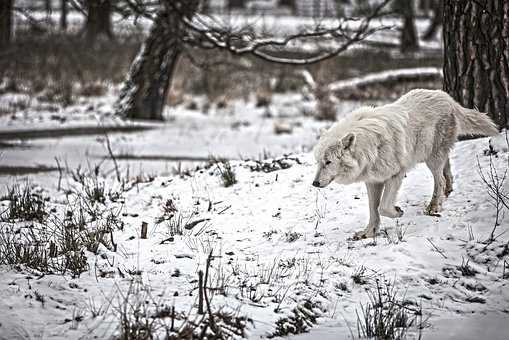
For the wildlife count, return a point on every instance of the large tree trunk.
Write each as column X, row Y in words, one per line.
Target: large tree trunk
column 144, row 92
column 5, row 23
column 436, row 21
column 476, row 55
column 98, row 20
column 409, row 39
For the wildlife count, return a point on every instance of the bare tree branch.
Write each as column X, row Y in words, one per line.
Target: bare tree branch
column 243, row 41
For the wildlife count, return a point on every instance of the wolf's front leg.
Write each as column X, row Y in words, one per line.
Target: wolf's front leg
column 391, row 188
column 374, row 194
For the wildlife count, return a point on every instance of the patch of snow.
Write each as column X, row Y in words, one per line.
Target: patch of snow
column 276, row 232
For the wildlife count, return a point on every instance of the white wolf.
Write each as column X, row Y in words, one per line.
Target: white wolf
column 378, row 145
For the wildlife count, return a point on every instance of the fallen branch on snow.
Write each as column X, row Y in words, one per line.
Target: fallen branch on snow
column 388, row 77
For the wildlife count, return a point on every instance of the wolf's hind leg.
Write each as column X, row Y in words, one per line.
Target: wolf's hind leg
column 437, row 165
column 391, row 188
column 448, row 178
column 374, row 194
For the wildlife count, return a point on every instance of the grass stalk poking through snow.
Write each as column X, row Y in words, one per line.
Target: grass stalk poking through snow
column 386, row 316
column 24, row 205
column 227, row 173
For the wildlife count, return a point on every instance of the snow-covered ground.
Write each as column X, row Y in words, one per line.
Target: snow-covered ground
column 278, row 248
column 239, row 130
column 277, row 242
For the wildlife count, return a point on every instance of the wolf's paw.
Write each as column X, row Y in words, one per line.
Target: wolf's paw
column 395, row 212
column 366, row 233
column 433, row 209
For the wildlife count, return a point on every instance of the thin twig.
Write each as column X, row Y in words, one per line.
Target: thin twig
column 441, row 252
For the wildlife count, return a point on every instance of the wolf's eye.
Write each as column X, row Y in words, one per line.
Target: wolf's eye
column 328, row 162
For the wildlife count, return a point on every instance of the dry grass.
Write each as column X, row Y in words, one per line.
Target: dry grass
column 24, row 204
column 387, row 315
column 59, row 68
column 55, row 242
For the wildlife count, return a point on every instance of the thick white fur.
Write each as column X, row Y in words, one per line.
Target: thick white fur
column 378, row 145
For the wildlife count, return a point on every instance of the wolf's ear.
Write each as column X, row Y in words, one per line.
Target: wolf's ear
column 348, row 141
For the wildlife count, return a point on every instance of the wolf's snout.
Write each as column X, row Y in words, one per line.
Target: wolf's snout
column 316, row 184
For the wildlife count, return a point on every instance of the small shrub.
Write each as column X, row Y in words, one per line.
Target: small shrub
column 269, row 165
column 59, row 93
column 360, row 276
column 95, row 190
column 302, row 318
column 168, row 211
column 227, row 173
column 398, row 236
column 386, row 316
column 268, row 234
column 59, row 245
column 93, row 89
column 342, row 286
column 140, row 317
column 37, row 251
column 25, row 205
column 466, row 269
column 176, row 225
column 93, row 187
column 292, row 236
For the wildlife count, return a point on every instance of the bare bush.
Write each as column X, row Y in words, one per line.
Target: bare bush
column 140, row 316
column 226, row 172
column 24, row 204
column 37, row 251
column 58, row 245
column 303, row 317
column 494, row 181
column 387, row 316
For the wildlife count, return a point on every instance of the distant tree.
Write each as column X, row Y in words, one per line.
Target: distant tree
column 176, row 30
column 288, row 3
column 476, row 55
column 63, row 14
column 425, row 6
column 436, row 21
column 409, row 40
column 6, row 8
column 236, row 3
column 98, row 22
column 47, row 7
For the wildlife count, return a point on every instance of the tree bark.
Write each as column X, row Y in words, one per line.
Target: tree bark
column 436, row 21
column 409, row 39
column 144, row 92
column 47, row 7
column 476, row 55
column 98, row 21
column 5, row 23
column 63, row 15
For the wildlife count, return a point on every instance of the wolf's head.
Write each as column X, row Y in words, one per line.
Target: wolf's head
column 336, row 160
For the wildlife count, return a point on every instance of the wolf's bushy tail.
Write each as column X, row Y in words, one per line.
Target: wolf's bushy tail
column 475, row 123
